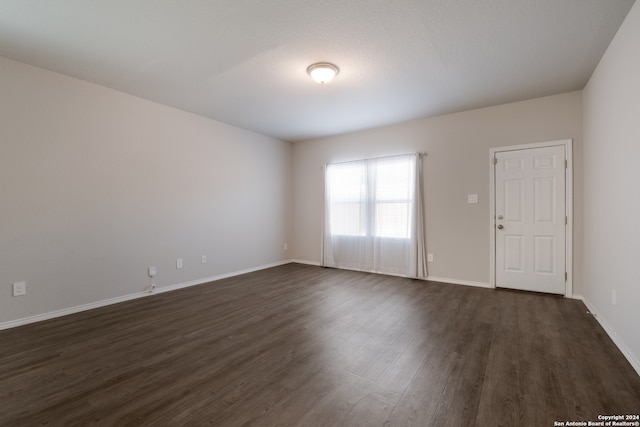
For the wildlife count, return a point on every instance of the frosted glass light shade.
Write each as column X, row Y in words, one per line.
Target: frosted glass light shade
column 322, row 72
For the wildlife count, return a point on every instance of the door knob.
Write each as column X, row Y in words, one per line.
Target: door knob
column 500, row 227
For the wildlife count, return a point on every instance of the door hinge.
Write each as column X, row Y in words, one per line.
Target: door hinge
column 566, row 276
column 566, row 164
column 566, row 220
column 495, row 161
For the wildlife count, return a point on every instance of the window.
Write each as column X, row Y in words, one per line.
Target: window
column 371, row 197
column 346, row 188
column 373, row 216
column 394, row 198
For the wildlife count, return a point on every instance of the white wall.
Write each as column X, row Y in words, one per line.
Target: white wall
column 612, row 188
column 97, row 185
column 457, row 164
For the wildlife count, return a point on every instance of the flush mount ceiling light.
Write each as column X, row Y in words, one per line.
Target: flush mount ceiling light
column 322, row 72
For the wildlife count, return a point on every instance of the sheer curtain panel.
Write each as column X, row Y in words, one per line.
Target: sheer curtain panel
column 373, row 218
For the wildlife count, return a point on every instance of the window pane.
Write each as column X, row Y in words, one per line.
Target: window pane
column 394, row 179
column 346, row 181
column 393, row 220
column 346, row 191
column 347, row 219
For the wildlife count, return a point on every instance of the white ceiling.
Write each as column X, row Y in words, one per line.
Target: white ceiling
column 244, row 62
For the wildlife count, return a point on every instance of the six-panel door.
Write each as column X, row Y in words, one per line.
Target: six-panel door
column 530, row 219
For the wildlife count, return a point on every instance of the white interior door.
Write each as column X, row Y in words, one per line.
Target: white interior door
column 531, row 219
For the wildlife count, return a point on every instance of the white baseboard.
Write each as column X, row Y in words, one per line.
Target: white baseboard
column 431, row 278
column 302, row 261
column 116, row 300
column 219, row 277
column 633, row 360
column 71, row 310
column 459, row 282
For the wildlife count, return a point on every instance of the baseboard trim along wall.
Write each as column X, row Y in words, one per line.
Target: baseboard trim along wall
column 633, row 360
column 302, row 261
column 103, row 303
column 459, row 282
column 429, row 278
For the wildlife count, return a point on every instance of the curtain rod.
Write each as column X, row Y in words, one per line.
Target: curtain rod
column 377, row 158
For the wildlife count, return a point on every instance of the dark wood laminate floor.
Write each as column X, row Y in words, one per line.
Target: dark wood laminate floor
column 302, row 345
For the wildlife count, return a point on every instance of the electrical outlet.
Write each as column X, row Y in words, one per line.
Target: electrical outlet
column 152, row 271
column 19, row 288
column 179, row 263
column 429, row 257
column 203, row 259
column 614, row 297
column 285, row 246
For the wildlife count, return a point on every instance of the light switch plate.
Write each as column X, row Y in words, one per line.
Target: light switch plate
column 472, row 198
column 19, row 288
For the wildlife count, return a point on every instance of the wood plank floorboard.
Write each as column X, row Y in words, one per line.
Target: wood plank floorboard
column 299, row 345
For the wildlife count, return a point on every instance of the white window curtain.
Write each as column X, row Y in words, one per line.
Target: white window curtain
column 373, row 216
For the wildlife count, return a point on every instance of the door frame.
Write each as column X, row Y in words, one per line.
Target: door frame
column 568, row 152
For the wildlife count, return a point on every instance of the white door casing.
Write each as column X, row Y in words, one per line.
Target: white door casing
column 530, row 219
